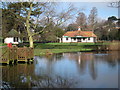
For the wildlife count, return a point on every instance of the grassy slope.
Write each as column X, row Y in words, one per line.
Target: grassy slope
column 3, row 44
column 38, row 52
column 49, row 48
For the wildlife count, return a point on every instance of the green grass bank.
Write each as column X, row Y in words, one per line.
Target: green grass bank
column 51, row 48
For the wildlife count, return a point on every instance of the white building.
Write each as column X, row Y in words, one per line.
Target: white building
column 13, row 37
column 79, row 36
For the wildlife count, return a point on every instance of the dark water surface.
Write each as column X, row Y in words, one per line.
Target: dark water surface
column 66, row 70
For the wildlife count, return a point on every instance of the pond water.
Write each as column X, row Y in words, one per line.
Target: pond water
column 65, row 70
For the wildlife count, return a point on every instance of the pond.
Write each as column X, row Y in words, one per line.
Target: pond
column 65, row 70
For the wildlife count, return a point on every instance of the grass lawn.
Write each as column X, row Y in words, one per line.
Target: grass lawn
column 69, row 44
column 39, row 52
column 49, row 48
column 3, row 44
column 63, row 45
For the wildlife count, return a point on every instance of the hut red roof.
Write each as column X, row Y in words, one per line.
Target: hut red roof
column 80, row 33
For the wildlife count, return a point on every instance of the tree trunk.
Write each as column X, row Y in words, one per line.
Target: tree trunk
column 28, row 27
column 31, row 41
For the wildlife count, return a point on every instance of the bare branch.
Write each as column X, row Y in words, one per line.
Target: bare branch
column 114, row 4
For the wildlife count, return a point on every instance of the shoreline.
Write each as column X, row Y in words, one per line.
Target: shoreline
column 42, row 52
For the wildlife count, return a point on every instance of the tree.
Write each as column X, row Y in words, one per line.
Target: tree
column 81, row 20
column 106, row 29
column 59, row 32
column 102, row 30
column 26, row 10
column 72, row 27
column 112, row 18
column 31, row 11
column 116, row 4
column 10, row 21
column 92, row 19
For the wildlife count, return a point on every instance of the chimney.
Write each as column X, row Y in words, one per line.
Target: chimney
column 79, row 29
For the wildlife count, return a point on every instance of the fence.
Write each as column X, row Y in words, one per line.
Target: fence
column 15, row 54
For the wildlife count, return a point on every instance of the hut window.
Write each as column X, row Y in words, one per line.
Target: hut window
column 74, row 38
column 83, row 38
column 66, row 38
column 15, row 39
column 88, row 38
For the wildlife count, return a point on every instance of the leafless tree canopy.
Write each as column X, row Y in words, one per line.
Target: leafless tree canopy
column 92, row 19
column 81, row 20
column 114, row 4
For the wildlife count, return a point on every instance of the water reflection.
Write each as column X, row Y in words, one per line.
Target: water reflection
column 81, row 69
column 18, row 75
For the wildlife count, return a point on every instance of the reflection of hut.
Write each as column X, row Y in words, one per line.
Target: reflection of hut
column 13, row 37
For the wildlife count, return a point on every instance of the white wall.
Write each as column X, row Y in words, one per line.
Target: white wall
column 92, row 39
column 84, row 40
column 64, row 39
column 11, row 40
column 74, row 40
column 88, row 40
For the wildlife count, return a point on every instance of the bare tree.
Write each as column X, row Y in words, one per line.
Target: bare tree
column 115, row 4
column 48, row 14
column 92, row 19
column 81, row 20
column 65, row 15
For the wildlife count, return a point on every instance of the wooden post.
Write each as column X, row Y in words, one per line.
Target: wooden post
column 22, row 54
column 4, row 57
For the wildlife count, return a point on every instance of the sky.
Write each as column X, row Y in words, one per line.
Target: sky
column 86, row 5
column 64, row 0
column 104, row 11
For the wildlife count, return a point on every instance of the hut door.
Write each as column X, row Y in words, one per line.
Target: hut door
column 79, row 39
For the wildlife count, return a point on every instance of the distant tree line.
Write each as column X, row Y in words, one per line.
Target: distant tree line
column 39, row 21
column 104, row 29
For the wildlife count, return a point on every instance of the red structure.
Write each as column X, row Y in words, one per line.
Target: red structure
column 9, row 45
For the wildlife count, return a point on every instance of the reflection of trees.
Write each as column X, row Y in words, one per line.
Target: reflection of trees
column 83, row 59
column 79, row 58
column 110, row 57
column 86, row 58
column 113, row 58
column 54, row 57
column 4, row 86
column 82, row 62
column 18, row 74
column 22, row 76
column 45, row 64
column 71, row 56
column 56, row 82
column 93, row 69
